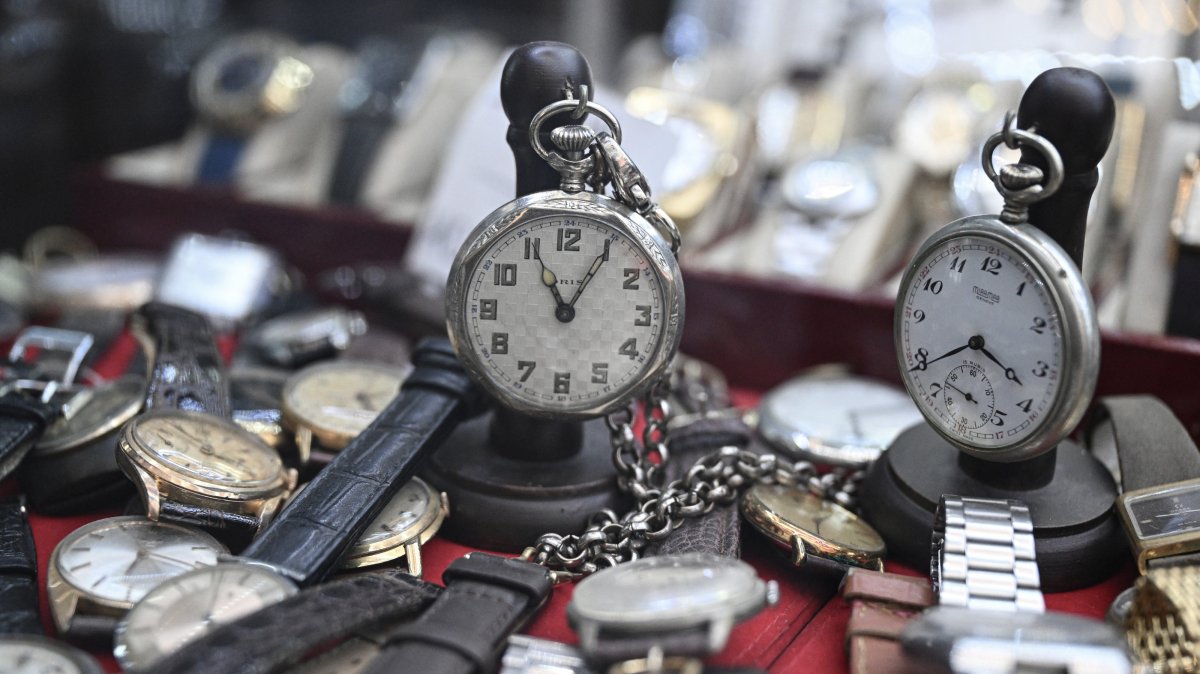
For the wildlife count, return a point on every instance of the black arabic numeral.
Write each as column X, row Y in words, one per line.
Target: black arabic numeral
column 957, row 265
column 506, row 274
column 1020, row 289
column 922, row 358
column 528, row 366
column 997, row 420
column 644, row 315
column 932, row 286
column 919, row 315
column 629, row 348
column 599, row 373
column 487, row 310
column 1039, row 325
column 631, row 277
column 568, row 239
column 532, row 247
column 991, row 265
column 500, row 343
column 934, row 389
column 1025, row 405
column 1041, row 369
column 562, row 382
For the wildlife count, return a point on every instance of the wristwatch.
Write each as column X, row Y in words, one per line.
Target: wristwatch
column 983, row 555
column 299, row 338
column 100, row 570
column 18, row 572
column 328, row 404
column 119, row 282
column 1163, row 624
column 228, row 281
column 681, row 605
column 409, row 520
column 73, row 467
column 265, row 640
column 246, row 81
column 256, row 396
column 833, row 418
column 817, row 533
column 36, row 654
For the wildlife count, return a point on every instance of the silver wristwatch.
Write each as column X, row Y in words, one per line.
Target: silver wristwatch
column 983, row 555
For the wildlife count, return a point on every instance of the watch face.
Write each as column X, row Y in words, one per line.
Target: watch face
column 829, row 529
column 191, row 605
column 119, row 559
column 668, row 592
column 840, row 420
column 833, row 187
column 205, row 449
column 103, row 409
column 406, row 509
column 1165, row 512
column 994, row 359
column 338, row 400
column 563, row 313
column 25, row 654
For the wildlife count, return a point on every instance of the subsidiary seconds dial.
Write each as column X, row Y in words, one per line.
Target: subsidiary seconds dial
column 996, row 338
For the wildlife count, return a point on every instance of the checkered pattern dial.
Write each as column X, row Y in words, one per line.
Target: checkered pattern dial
column 565, row 312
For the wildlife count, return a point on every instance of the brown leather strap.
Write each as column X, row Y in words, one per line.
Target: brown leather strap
column 881, row 604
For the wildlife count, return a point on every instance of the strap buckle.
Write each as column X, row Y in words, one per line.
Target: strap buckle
column 45, row 340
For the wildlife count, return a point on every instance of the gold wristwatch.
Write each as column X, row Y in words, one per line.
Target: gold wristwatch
column 816, row 532
column 410, row 519
column 329, row 403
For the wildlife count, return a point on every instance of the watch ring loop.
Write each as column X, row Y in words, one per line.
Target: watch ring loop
column 1015, row 138
column 568, row 105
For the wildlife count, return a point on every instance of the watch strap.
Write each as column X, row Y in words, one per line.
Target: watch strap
column 984, row 556
column 22, row 420
column 361, row 137
column 1144, row 439
column 219, row 161
column 1164, row 621
column 719, row 531
column 187, row 371
column 279, row 636
column 881, row 605
column 18, row 572
column 308, row 539
column 235, row 530
column 487, row 598
column 610, row 648
column 76, row 481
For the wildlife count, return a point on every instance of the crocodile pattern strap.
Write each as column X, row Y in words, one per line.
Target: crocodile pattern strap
column 487, row 599
column 235, row 530
column 984, row 556
column 308, row 539
column 881, row 605
column 187, row 372
column 718, row 532
column 1145, row 439
column 279, row 636
column 18, row 572
column 22, row 420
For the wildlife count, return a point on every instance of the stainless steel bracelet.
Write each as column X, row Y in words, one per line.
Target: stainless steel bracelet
column 983, row 555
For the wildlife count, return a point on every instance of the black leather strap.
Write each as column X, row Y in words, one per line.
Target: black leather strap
column 18, row 572
column 84, row 479
column 691, row 642
column 361, row 138
column 22, row 420
column 187, row 371
column 308, row 539
column 233, row 529
column 719, row 531
column 487, row 598
column 1182, row 317
column 1149, row 444
column 279, row 636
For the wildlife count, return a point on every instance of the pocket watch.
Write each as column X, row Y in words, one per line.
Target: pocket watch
column 817, row 532
column 100, row 570
column 995, row 330
column 568, row 303
column 332, row 402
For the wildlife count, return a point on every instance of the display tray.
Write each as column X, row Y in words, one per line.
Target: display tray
column 758, row 332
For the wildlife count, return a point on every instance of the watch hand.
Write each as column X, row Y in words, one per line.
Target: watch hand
column 600, row 259
column 965, row 395
column 1008, row 371
column 944, row 355
column 562, row 311
column 364, row 400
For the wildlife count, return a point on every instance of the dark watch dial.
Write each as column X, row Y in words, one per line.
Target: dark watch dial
column 1170, row 512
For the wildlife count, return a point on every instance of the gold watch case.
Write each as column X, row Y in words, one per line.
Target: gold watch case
column 413, row 516
column 1179, row 535
column 330, row 403
column 812, row 528
column 97, row 412
column 154, row 453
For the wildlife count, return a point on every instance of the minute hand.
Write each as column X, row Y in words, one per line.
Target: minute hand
column 587, row 278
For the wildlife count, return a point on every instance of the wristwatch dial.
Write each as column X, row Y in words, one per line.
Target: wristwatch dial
column 338, row 400
column 190, row 605
column 840, row 420
column 105, row 408
column 832, row 187
column 997, row 339
column 118, row 560
column 1165, row 511
column 413, row 514
column 26, row 654
column 205, row 449
column 668, row 592
column 565, row 313
column 826, row 529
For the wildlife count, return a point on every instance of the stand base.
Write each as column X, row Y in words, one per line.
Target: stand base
column 504, row 504
column 1069, row 493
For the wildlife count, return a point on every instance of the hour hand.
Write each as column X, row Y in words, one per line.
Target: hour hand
column 562, row 311
column 1008, row 371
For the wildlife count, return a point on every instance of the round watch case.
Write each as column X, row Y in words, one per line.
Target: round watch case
column 668, row 594
column 104, row 409
column 248, row 79
column 1060, row 279
column 398, row 527
column 816, row 532
column 32, row 654
column 315, row 400
column 513, row 220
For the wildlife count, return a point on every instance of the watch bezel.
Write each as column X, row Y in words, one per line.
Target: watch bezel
column 394, row 546
column 85, row 663
column 515, row 214
column 47, row 444
column 1080, row 332
column 328, row 438
column 1147, row 548
column 778, row 526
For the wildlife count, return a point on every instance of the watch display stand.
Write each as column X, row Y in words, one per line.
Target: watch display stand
column 510, row 477
column 1069, row 492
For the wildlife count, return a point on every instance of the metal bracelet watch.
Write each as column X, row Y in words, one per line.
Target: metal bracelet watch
column 295, row 339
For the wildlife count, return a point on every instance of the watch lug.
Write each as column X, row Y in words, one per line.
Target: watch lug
column 151, row 495
column 718, row 633
column 304, row 439
column 799, row 553
column 444, row 504
column 412, row 553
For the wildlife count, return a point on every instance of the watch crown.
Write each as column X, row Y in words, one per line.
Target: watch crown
column 572, row 139
column 1020, row 176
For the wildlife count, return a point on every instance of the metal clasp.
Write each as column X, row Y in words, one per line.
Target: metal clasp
column 1020, row 184
column 44, row 339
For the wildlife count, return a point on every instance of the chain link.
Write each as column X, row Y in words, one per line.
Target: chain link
column 716, row 479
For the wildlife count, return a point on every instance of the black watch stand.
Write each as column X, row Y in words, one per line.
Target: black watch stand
column 510, row 477
column 1069, row 492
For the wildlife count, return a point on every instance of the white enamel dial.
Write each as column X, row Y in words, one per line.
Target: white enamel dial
column 191, row 605
column 566, row 313
column 120, row 559
column 981, row 341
